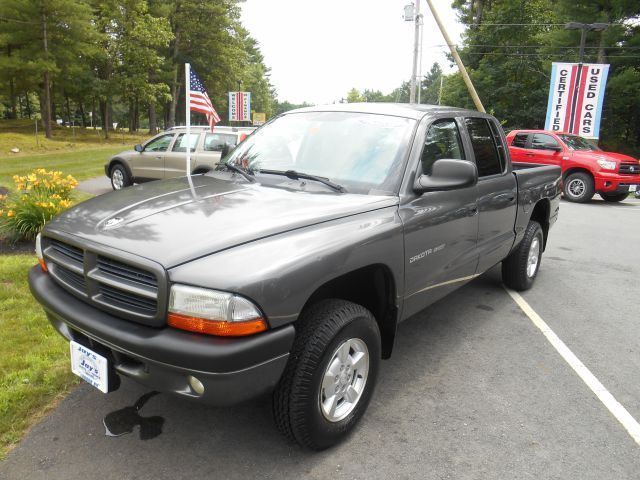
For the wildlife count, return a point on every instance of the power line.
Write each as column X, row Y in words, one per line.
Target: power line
column 534, row 46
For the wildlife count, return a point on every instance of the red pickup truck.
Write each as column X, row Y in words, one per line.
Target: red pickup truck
column 585, row 168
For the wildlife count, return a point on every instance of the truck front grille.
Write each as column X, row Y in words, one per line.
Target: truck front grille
column 629, row 169
column 135, row 290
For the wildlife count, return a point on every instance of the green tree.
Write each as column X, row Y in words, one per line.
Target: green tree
column 354, row 96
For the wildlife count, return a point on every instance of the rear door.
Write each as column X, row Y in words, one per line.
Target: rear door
column 149, row 164
column 518, row 147
column 497, row 191
column 175, row 162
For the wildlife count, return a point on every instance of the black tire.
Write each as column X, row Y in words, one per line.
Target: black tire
column 515, row 267
column 114, row 174
column 579, row 187
column 613, row 197
column 297, row 398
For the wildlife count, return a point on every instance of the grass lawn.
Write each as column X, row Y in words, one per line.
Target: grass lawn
column 34, row 363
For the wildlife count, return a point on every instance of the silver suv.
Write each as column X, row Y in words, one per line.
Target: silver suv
column 164, row 156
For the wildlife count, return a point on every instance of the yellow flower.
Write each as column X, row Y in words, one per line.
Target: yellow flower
column 10, row 213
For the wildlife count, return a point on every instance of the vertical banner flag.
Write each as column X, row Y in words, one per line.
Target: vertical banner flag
column 576, row 93
column 239, row 106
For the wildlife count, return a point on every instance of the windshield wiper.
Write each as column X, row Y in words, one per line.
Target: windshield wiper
column 293, row 175
column 237, row 169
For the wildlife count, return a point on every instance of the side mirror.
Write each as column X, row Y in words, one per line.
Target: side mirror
column 552, row 146
column 138, row 148
column 447, row 174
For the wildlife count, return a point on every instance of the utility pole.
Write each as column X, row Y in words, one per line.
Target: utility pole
column 456, row 57
column 416, row 50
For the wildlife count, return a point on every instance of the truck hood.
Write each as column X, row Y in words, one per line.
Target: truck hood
column 601, row 155
column 172, row 222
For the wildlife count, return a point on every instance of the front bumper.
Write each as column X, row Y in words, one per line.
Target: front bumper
column 614, row 182
column 231, row 369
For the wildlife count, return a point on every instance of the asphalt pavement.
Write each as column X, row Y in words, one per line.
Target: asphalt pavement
column 473, row 391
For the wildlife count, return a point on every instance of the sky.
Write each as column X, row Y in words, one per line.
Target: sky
column 319, row 50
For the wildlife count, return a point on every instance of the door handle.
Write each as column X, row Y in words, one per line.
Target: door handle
column 530, row 154
column 158, row 158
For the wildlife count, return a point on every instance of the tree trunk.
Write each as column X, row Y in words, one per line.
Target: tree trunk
column 153, row 122
column 82, row 115
column 46, row 111
column 26, row 99
column 479, row 8
column 175, row 84
column 68, row 105
column 106, row 120
column 12, row 91
column 602, row 54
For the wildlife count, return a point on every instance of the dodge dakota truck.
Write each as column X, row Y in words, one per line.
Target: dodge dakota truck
column 288, row 268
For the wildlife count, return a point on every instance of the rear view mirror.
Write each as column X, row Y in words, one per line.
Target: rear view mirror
column 138, row 148
column 447, row 174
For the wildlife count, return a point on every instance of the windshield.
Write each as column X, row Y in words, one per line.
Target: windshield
column 574, row 142
column 365, row 153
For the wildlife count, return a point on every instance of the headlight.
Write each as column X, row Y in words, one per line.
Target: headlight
column 39, row 253
column 213, row 312
column 607, row 165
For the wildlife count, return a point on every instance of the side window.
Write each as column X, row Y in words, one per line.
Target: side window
column 181, row 142
column 213, row 142
column 160, row 144
column 484, row 147
column 520, row 140
column 442, row 141
column 498, row 135
column 541, row 140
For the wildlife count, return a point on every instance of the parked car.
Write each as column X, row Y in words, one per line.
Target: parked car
column 585, row 168
column 164, row 156
column 289, row 268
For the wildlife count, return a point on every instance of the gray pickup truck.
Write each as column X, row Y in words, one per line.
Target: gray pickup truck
column 289, row 267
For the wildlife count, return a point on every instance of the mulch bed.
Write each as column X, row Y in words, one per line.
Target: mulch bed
column 24, row 247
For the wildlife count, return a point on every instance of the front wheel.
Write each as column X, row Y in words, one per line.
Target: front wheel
column 520, row 268
column 579, row 187
column 119, row 177
column 614, row 197
column 332, row 371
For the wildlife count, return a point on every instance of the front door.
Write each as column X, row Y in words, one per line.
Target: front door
column 546, row 149
column 440, row 227
column 149, row 164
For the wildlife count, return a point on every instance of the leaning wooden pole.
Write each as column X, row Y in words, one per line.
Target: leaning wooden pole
column 456, row 57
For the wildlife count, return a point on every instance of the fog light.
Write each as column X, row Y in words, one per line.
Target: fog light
column 607, row 184
column 196, row 385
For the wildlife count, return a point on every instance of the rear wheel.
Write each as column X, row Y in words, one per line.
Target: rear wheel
column 520, row 268
column 579, row 187
column 614, row 197
column 330, row 376
column 119, row 177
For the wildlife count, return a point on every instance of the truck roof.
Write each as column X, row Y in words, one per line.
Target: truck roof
column 408, row 110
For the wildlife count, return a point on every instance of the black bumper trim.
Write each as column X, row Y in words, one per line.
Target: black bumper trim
column 164, row 346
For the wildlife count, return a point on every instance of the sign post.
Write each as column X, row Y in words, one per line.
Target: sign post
column 576, row 94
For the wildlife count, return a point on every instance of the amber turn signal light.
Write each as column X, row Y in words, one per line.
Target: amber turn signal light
column 216, row 327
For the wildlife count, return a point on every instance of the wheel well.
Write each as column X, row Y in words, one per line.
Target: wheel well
column 576, row 170
column 541, row 214
column 372, row 287
column 200, row 170
column 118, row 161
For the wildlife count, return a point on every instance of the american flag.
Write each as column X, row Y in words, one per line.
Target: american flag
column 199, row 100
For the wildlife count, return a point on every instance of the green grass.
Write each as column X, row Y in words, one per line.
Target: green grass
column 82, row 164
column 34, row 359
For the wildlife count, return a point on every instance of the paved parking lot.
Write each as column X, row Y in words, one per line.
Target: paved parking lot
column 474, row 390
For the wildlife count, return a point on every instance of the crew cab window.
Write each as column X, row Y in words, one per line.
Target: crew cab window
column 159, row 144
column 213, row 142
column 442, row 141
column 484, row 147
column 520, row 140
column 181, row 142
column 541, row 140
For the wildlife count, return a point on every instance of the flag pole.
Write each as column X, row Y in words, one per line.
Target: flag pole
column 187, row 85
